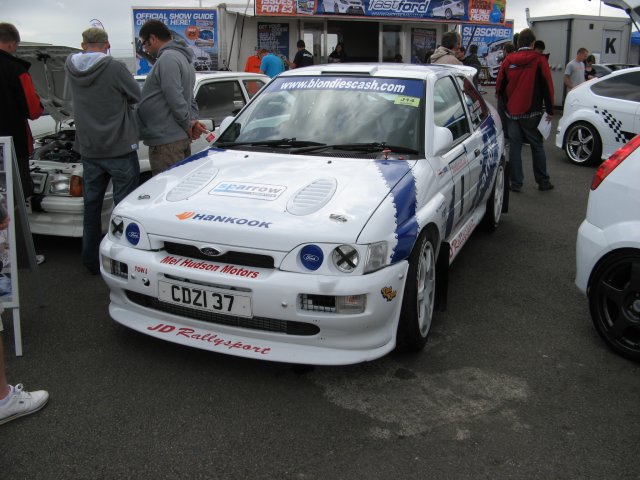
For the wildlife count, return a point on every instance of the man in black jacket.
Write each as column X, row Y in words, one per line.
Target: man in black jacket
column 18, row 101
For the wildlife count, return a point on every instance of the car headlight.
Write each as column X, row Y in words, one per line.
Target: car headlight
column 116, row 227
column 336, row 259
column 64, row 184
column 128, row 232
column 345, row 258
column 376, row 257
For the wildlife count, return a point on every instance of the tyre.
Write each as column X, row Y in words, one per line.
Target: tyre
column 495, row 201
column 418, row 302
column 448, row 14
column 583, row 145
column 614, row 302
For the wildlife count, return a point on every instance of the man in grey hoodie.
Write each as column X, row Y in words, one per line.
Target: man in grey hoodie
column 103, row 93
column 168, row 113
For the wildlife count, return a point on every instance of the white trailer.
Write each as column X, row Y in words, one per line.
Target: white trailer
column 607, row 38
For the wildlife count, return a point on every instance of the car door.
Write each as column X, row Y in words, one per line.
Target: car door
column 476, row 146
column 618, row 108
column 449, row 112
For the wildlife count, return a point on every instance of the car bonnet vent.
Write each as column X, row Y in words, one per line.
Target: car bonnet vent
column 312, row 197
column 192, row 184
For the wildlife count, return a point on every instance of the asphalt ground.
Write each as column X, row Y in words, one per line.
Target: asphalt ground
column 513, row 383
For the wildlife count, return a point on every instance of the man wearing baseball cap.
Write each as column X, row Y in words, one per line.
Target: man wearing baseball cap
column 104, row 93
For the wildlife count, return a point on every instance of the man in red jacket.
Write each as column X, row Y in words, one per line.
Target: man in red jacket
column 526, row 89
column 18, row 101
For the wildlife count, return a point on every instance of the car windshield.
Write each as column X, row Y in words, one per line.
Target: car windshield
column 298, row 112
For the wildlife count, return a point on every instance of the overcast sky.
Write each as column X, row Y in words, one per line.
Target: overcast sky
column 61, row 22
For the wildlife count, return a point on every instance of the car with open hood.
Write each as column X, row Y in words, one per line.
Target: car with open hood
column 56, row 207
column 320, row 226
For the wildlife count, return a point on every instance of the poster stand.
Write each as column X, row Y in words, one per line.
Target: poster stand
column 13, row 206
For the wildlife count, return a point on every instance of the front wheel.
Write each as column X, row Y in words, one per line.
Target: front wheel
column 614, row 302
column 583, row 145
column 418, row 301
column 495, row 201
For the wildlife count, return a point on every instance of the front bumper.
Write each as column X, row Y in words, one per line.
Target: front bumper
column 337, row 338
column 62, row 216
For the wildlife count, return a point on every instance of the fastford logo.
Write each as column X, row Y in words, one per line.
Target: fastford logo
column 219, row 218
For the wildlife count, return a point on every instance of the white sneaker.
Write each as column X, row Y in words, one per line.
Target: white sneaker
column 22, row 403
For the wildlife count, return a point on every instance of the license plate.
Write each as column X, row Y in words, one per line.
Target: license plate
column 208, row 299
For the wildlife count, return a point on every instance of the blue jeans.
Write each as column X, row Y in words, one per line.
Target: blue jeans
column 521, row 130
column 124, row 172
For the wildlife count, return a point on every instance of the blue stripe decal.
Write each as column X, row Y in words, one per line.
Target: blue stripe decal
column 399, row 179
column 196, row 156
column 490, row 160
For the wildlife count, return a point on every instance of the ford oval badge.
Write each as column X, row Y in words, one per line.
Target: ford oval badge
column 210, row 251
column 133, row 233
column 311, row 257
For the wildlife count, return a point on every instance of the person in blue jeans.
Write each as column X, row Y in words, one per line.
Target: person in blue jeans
column 525, row 87
column 104, row 93
column 270, row 64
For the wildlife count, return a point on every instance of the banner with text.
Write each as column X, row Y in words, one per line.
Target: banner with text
column 490, row 41
column 198, row 27
column 274, row 37
column 468, row 11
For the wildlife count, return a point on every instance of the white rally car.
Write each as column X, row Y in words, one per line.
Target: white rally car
column 57, row 208
column 320, row 226
column 600, row 116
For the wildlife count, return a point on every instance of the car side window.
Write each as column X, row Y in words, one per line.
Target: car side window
column 476, row 106
column 253, row 86
column 218, row 100
column 623, row 87
column 448, row 110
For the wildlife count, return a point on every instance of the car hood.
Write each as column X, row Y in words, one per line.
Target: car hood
column 631, row 7
column 47, row 72
column 264, row 200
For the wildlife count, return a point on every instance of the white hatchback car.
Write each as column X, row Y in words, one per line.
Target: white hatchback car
column 319, row 227
column 348, row 7
column 608, row 250
column 449, row 9
column 56, row 208
column 600, row 116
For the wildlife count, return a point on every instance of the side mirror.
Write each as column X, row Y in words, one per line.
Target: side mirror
column 442, row 140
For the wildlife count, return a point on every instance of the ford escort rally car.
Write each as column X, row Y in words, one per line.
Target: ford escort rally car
column 319, row 227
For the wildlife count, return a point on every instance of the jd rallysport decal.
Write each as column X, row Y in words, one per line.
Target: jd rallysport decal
column 209, row 338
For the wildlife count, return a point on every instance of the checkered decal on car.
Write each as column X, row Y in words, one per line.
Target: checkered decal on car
column 613, row 124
